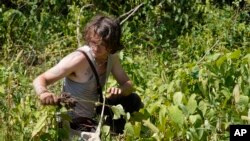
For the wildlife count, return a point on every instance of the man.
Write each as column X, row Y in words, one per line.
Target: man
column 102, row 37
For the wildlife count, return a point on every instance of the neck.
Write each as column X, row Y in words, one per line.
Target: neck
column 101, row 58
column 100, row 61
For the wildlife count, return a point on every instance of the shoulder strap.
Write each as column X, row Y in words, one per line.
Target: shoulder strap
column 99, row 87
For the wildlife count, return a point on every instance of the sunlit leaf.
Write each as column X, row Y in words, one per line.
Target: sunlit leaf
column 235, row 54
column 247, row 57
column 162, row 116
column 192, row 118
column 194, row 134
column 162, row 88
column 195, row 119
column 213, row 57
column 118, row 111
column 105, row 130
column 176, row 115
column 207, row 124
column 243, row 100
column 184, row 109
column 154, row 106
column 203, row 107
column 129, row 60
column 137, row 129
column 177, row 98
column 129, row 130
column 221, row 60
column 40, row 125
column 245, row 118
column 192, row 104
column 1, row 89
column 236, row 93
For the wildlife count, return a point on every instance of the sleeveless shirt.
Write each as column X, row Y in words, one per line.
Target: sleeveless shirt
column 86, row 93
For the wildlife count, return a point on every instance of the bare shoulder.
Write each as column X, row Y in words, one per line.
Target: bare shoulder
column 73, row 59
column 69, row 64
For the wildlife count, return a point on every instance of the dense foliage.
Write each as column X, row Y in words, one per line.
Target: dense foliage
column 189, row 61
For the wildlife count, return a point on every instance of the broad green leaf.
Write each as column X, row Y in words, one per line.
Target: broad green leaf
column 247, row 57
column 235, row 54
column 213, row 57
column 170, row 87
column 170, row 133
column 200, row 133
column 226, row 93
column 106, row 130
column 137, row 116
column 192, row 118
column 40, row 125
column 129, row 130
column 1, row 89
column 162, row 116
column 210, row 113
column 176, row 115
column 184, row 109
column 118, row 111
column 203, row 107
column 154, row 107
column 137, row 129
column 162, row 88
column 204, row 86
column 194, row 134
column 129, row 60
column 221, row 60
column 177, row 98
column 195, row 120
column 243, row 100
column 192, row 104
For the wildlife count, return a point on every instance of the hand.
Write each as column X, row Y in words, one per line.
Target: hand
column 48, row 98
column 114, row 91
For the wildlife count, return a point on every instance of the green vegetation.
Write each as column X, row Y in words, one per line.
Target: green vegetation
column 189, row 61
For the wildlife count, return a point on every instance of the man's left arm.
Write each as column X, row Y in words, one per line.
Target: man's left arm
column 126, row 86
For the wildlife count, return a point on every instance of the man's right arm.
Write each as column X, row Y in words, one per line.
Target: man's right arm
column 65, row 67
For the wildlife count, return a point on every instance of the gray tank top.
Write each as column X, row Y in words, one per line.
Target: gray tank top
column 86, row 93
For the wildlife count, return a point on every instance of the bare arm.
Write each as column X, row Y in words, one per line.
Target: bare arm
column 122, row 78
column 65, row 67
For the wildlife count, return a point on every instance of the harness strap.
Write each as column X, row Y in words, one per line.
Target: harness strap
column 99, row 87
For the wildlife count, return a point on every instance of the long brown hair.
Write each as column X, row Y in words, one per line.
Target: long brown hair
column 106, row 31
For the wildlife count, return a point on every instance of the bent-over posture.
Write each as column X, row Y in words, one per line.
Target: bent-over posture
column 102, row 42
